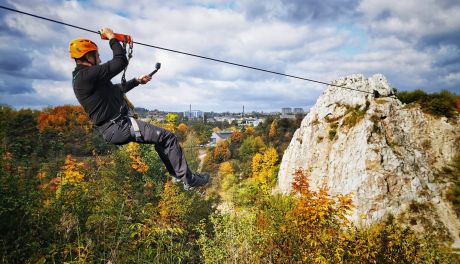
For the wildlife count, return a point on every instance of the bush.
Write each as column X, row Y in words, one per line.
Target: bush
column 437, row 104
column 333, row 131
column 354, row 115
column 311, row 227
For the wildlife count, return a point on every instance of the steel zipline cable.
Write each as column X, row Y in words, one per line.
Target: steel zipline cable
column 186, row 53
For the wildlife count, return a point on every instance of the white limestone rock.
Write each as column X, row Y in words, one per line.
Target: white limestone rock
column 388, row 159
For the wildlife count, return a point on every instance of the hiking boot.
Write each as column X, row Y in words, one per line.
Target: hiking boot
column 198, row 179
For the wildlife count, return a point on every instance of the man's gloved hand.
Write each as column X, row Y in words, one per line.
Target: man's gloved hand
column 143, row 79
column 107, row 32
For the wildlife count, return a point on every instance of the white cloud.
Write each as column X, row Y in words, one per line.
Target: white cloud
column 412, row 17
column 387, row 42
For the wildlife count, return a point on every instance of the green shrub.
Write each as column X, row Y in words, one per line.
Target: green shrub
column 355, row 114
column 333, row 131
column 411, row 97
column 437, row 104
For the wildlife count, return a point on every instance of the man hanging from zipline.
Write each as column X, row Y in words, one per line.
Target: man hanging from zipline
column 109, row 110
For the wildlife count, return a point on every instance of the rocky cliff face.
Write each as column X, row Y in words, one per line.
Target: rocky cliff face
column 387, row 154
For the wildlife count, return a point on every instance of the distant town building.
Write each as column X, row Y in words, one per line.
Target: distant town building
column 298, row 110
column 288, row 113
column 286, row 110
column 228, row 119
column 252, row 121
column 191, row 114
column 216, row 137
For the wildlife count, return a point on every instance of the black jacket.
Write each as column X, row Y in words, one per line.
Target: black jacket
column 100, row 98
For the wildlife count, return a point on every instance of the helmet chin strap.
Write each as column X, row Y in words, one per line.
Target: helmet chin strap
column 94, row 63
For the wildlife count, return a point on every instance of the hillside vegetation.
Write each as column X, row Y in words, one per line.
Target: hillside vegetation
column 67, row 197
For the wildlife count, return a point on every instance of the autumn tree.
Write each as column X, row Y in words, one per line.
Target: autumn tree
column 68, row 126
column 249, row 130
column 226, row 175
column 181, row 131
column 236, row 137
column 64, row 119
column 264, row 168
column 173, row 207
column 170, row 122
column 222, row 151
column 250, row 146
column 273, row 129
column 171, row 118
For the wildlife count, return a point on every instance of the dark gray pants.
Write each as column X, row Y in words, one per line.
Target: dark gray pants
column 165, row 143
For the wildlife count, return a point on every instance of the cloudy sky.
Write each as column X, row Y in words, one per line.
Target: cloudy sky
column 414, row 43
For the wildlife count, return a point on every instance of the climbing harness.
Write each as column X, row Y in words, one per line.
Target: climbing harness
column 135, row 130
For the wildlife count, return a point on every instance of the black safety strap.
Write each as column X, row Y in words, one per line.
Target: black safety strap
column 130, row 55
column 74, row 77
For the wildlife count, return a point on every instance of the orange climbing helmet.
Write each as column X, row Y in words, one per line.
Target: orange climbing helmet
column 79, row 47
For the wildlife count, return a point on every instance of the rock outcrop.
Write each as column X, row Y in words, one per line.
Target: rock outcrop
column 385, row 153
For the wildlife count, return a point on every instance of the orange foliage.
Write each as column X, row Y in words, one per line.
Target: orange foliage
column 51, row 185
column 41, row 175
column 273, row 129
column 237, row 136
column 222, row 151
column 136, row 162
column 315, row 223
column 315, row 208
column 182, row 128
column 249, row 130
column 64, row 119
column 319, row 205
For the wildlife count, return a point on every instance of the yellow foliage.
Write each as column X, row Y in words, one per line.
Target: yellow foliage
column 171, row 118
column 257, row 166
column 225, row 169
column 264, row 167
column 71, row 175
column 249, row 130
column 169, row 126
column 136, row 162
column 72, row 171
